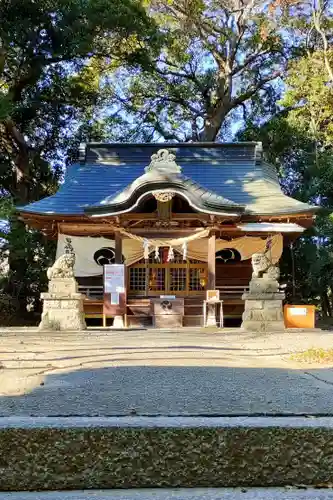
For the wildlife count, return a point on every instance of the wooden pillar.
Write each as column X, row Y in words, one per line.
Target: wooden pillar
column 211, row 282
column 147, row 277
column 211, row 262
column 120, row 321
column 119, row 248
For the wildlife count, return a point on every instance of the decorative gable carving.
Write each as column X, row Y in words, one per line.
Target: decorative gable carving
column 165, row 161
column 163, row 196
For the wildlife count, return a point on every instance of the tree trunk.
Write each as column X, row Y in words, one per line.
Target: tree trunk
column 213, row 124
column 325, row 304
column 18, row 282
column 331, row 297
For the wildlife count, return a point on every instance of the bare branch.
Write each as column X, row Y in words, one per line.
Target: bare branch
column 317, row 14
column 253, row 89
column 249, row 61
column 168, row 136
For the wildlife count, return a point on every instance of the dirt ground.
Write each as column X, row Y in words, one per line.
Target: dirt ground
column 162, row 372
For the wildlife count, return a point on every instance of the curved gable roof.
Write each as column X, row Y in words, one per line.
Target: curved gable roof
column 163, row 174
column 230, row 174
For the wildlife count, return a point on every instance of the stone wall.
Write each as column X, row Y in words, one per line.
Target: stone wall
column 65, row 457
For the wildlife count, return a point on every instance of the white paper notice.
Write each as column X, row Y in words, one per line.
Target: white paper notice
column 114, row 299
column 114, row 278
column 298, row 311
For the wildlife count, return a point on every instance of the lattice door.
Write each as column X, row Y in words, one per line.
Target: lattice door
column 159, row 277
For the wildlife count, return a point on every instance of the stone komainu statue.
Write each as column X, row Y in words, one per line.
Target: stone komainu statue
column 263, row 267
column 64, row 265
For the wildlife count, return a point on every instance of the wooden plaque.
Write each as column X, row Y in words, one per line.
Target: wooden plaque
column 212, row 295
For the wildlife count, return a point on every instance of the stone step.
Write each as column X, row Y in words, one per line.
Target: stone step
column 45, row 453
column 177, row 494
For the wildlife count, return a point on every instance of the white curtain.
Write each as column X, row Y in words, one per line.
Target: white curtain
column 85, row 248
column 246, row 246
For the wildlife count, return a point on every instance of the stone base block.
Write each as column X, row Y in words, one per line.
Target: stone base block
column 62, row 300
column 275, row 314
column 263, row 285
column 168, row 321
column 263, row 326
column 64, row 286
column 263, row 297
column 263, row 310
column 61, row 313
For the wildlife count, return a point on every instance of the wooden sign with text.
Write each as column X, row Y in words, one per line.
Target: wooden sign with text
column 114, row 280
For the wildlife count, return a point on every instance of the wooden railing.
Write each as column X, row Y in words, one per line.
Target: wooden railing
column 233, row 290
column 95, row 292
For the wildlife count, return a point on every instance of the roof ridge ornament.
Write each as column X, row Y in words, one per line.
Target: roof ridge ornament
column 163, row 160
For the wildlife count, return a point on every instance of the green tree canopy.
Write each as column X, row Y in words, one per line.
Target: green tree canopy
column 53, row 59
column 218, row 55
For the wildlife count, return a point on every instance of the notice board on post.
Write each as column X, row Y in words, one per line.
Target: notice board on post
column 114, row 282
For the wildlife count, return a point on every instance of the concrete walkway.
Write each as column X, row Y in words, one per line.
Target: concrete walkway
column 161, row 372
column 178, row 494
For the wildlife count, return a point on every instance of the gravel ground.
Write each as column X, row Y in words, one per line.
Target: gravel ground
column 160, row 372
column 178, row 494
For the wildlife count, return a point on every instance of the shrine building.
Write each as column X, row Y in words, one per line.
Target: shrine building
column 183, row 218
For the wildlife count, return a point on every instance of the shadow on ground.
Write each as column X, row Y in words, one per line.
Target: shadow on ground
column 175, row 390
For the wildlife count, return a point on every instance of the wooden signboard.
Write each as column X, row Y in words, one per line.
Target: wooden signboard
column 213, row 295
column 114, row 303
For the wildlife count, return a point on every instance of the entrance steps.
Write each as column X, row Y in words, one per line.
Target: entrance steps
column 139, row 313
column 72, row 453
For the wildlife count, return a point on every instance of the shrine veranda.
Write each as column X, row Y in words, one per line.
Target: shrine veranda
column 182, row 218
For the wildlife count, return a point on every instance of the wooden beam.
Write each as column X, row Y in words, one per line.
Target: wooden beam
column 85, row 228
column 31, row 218
column 118, row 248
column 168, row 233
column 155, row 216
column 211, row 262
column 147, row 277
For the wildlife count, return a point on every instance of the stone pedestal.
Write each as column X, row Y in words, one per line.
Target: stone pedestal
column 263, row 306
column 62, row 306
column 118, row 322
column 167, row 313
column 211, row 314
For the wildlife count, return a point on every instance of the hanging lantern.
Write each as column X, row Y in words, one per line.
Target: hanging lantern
column 202, row 278
column 152, row 281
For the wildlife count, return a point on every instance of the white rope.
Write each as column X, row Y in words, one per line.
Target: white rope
column 171, row 254
column 184, row 248
column 175, row 242
column 145, row 248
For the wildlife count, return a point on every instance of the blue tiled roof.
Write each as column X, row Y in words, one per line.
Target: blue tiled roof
column 233, row 171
